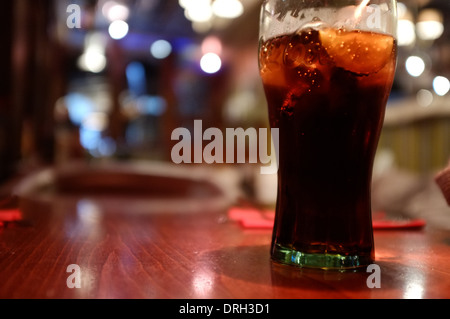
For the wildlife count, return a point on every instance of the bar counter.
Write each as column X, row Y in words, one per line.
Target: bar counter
column 124, row 249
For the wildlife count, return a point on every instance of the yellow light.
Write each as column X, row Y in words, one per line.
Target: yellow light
column 228, row 8
column 92, row 61
column 430, row 24
column 406, row 32
column 199, row 10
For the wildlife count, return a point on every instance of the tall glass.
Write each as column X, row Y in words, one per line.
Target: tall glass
column 327, row 67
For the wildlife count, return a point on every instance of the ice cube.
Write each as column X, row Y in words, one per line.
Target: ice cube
column 294, row 54
column 303, row 49
column 359, row 52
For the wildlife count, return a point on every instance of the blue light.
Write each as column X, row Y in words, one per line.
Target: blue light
column 136, row 78
column 107, row 146
column 161, row 49
column 151, row 105
column 90, row 139
column 78, row 106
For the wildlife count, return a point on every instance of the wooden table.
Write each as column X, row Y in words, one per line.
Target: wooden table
column 125, row 252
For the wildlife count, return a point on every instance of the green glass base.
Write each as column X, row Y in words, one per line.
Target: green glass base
column 321, row 261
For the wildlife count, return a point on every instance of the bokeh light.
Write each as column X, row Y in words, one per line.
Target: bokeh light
column 441, row 85
column 228, row 8
column 415, row 66
column 211, row 63
column 161, row 49
column 118, row 29
column 424, row 97
column 115, row 11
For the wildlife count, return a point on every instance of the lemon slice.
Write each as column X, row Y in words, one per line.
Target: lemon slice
column 360, row 52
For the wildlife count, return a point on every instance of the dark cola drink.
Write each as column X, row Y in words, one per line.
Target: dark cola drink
column 326, row 91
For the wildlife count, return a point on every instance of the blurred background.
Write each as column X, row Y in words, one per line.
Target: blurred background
column 114, row 84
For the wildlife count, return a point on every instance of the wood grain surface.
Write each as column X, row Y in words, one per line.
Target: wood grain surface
column 131, row 254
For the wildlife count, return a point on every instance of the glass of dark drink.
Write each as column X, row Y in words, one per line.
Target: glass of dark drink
column 327, row 68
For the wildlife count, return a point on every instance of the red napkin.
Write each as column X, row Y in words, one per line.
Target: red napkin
column 9, row 212
column 253, row 218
